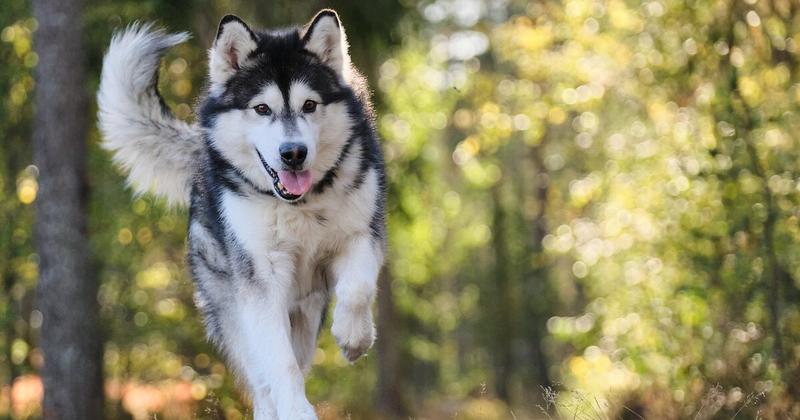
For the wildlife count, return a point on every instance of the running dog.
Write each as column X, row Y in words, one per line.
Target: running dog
column 284, row 178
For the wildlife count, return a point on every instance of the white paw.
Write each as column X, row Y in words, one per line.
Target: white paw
column 305, row 413
column 264, row 413
column 263, row 407
column 302, row 410
column 353, row 330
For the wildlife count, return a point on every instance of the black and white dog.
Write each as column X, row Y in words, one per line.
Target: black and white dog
column 285, row 181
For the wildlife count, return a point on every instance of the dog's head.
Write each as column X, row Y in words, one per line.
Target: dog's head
column 277, row 105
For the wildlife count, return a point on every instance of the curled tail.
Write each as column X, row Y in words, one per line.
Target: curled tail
column 159, row 151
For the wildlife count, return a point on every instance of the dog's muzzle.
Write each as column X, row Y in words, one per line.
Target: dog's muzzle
column 280, row 189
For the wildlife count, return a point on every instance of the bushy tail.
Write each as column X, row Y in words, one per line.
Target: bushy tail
column 159, row 151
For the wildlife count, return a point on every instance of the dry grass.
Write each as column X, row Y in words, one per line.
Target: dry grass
column 577, row 405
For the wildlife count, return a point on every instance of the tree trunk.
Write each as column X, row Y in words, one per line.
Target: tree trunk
column 390, row 397
column 502, row 317
column 66, row 291
column 540, row 300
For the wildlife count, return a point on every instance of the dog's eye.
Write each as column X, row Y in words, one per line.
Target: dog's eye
column 262, row 109
column 309, row 106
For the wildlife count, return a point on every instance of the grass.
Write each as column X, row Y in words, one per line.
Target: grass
column 579, row 405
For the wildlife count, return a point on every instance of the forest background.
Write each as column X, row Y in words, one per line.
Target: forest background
column 593, row 213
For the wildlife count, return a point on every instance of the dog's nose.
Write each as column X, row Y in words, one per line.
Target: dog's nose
column 293, row 154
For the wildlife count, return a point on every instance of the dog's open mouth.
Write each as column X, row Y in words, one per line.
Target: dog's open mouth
column 289, row 185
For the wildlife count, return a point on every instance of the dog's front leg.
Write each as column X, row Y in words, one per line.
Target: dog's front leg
column 356, row 272
column 269, row 360
column 260, row 327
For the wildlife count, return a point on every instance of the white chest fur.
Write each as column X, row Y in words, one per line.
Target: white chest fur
column 303, row 235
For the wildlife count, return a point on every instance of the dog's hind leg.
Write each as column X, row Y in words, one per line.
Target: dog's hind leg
column 306, row 321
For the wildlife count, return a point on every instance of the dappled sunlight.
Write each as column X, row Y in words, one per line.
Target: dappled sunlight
column 592, row 212
column 23, row 399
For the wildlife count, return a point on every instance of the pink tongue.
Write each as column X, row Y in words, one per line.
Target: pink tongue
column 297, row 183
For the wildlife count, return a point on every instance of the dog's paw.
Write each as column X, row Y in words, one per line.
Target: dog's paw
column 302, row 410
column 353, row 330
column 304, row 413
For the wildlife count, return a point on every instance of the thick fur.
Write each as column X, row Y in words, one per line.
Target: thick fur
column 159, row 151
column 265, row 263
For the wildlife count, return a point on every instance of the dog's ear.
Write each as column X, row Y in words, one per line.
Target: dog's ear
column 324, row 36
column 234, row 43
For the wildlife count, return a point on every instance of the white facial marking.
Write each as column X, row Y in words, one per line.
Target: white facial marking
column 299, row 92
column 271, row 96
column 239, row 133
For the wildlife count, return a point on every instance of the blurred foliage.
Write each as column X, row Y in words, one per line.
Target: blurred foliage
column 593, row 212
